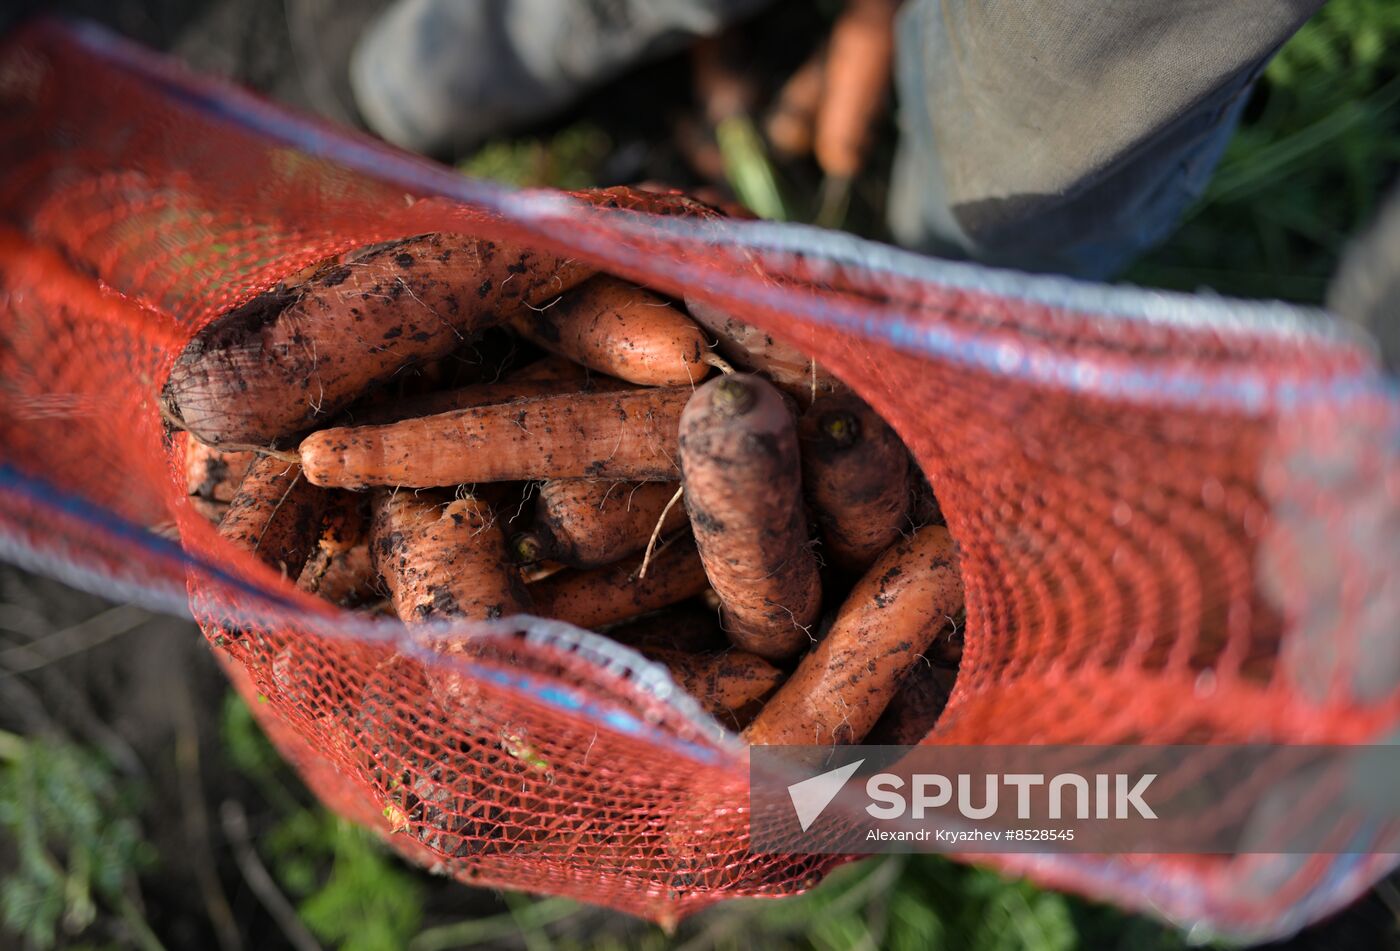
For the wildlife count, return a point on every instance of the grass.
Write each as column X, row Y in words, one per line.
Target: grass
column 1307, row 169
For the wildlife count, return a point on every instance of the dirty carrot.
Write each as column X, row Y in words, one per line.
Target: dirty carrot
column 791, row 370
column 212, row 474
column 858, row 67
column 548, row 369
column 622, row 435
column 478, row 394
column 620, row 329
column 856, row 474
column 275, row 514
column 743, row 491
column 442, row 559
column 911, row 594
column 915, row 707
column 585, row 523
column 293, row 357
column 601, row 596
column 346, row 578
column 730, row 685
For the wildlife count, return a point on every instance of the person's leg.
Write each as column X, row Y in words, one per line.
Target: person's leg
column 438, row 76
column 1068, row 135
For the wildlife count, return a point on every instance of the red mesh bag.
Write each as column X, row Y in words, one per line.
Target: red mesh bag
column 1177, row 515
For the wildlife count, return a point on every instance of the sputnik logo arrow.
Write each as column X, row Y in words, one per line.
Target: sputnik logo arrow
column 811, row 796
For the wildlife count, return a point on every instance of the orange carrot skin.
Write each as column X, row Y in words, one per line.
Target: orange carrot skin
column 345, row 578
column 629, row 435
column 276, row 514
column 915, row 708
column 586, row 524
column 478, row 394
column 213, row 474
column 890, row 618
column 291, row 358
column 743, row 491
column 620, row 329
column 550, row 368
column 748, row 347
column 731, row 685
column 856, row 473
column 602, row 596
column 442, row 561
column 858, row 69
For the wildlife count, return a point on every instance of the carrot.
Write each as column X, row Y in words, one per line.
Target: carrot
column 743, row 491
column 345, row 523
column 442, row 559
column 276, row 515
column 622, row 330
column 478, row 394
column 290, row 358
column 923, row 507
column 687, row 629
column 549, row 368
column 856, row 473
column 915, row 707
column 347, row 578
column 890, row 618
column 214, row 475
column 602, row 596
column 622, row 435
column 586, row 524
column 791, row 370
column 340, row 569
column 858, row 62
column 730, row 686
column 792, row 121
column 671, row 202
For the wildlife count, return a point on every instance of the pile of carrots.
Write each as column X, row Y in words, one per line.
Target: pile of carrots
column 447, row 428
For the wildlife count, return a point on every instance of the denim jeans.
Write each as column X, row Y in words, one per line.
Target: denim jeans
column 1047, row 135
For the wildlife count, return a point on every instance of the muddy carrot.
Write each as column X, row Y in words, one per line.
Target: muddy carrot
column 478, row 394
column 911, row 594
column 915, row 707
column 743, row 491
column 858, row 64
column 275, row 514
column 731, row 685
column 856, row 473
column 550, row 368
column 442, row 559
column 347, row 578
column 601, row 596
column 586, row 524
column 212, row 474
column 750, row 348
column 620, row 329
column 294, row 357
column 622, row 435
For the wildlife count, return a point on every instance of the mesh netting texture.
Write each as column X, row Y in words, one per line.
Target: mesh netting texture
column 1176, row 515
